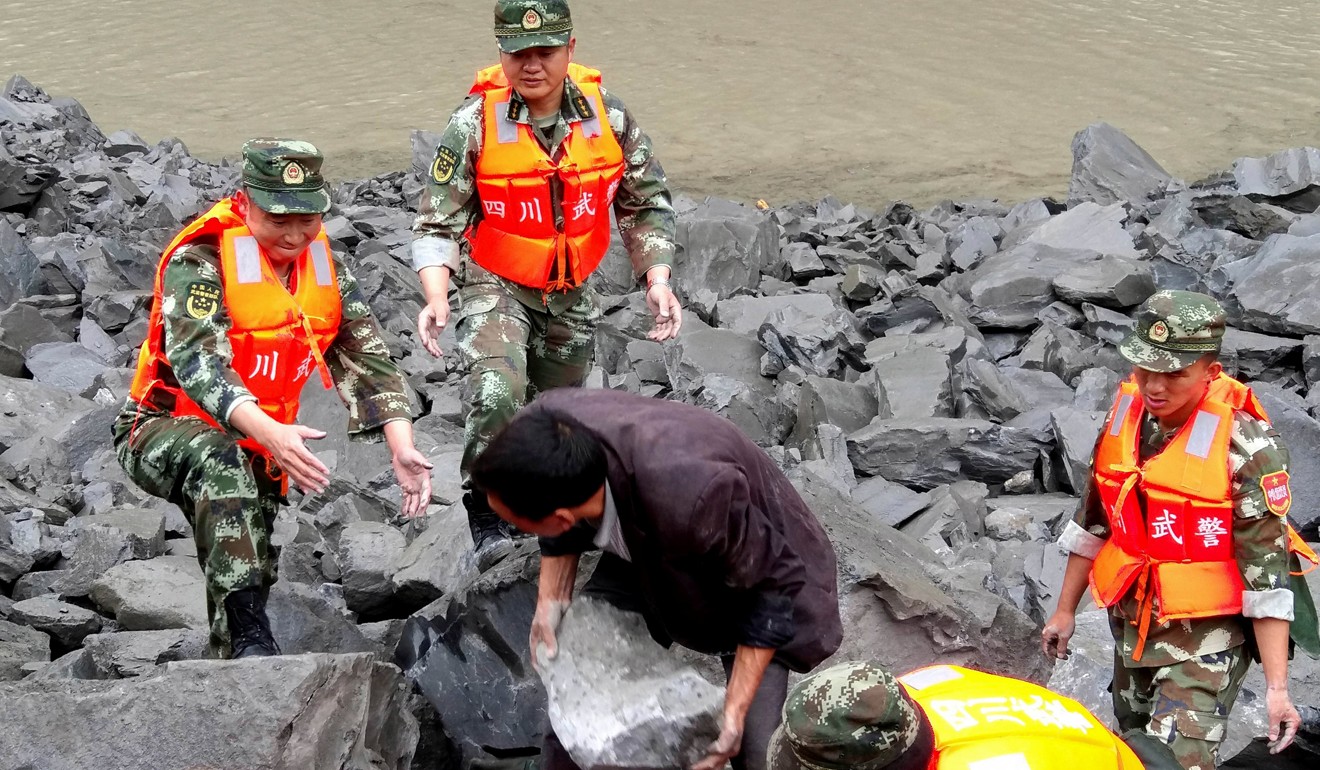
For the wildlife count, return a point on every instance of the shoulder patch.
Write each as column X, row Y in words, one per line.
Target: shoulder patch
column 203, row 300
column 446, row 161
column 1278, row 496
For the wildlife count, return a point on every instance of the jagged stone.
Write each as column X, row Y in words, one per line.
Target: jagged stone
column 20, row 646
column 1249, row 356
column 954, row 514
column 803, row 263
column 902, row 607
column 1109, row 167
column 69, row 624
column 916, row 383
column 322, row 711
column 1010, row 288
column 434, row 563
column 468, row 655
column 723, row 247
column 1288, row 176
column 617, row 699
column 924, row 453
column 1088, row 227
column 1060, row 313
column 304, row 619
column 891, row 504
column 1108, row 281
column 745, row 315
column 135, row 653
column 985, row 391
column 1240, row 215
column 1075, row 433
column 721, row 370
column 1271, row 290
column 29, row 408
column 1012, row 524
column 368, row 555
column 22, row 327
column 166, row 592
column 824, row 401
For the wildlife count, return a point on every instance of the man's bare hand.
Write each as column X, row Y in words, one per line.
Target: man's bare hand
column 668, row 314
column 1283, row 719
column 1057, row 633
column 413, row 471
column 724, row 747
column 545, row 624
column 431, row 324
column 287, row 444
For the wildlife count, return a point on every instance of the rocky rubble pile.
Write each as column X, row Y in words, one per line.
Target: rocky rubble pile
column 933, row 379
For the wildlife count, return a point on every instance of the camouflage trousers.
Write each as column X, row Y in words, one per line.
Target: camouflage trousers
column 230, row 506
column 1185, row 705
column 512, row 352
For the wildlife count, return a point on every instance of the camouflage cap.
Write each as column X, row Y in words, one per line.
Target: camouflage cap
column 1174, row 329
column 523, row 24
column 853, row 715
column 283, row 176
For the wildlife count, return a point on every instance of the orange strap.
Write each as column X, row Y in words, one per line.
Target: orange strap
column 1300, row 547
column 321, row 365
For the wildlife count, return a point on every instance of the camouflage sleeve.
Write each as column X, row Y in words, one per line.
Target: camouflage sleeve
column 1088, row 530
column 197, row 334
column 449, row 203
column 643, row 204
column 1258, row 460
column 370, row 384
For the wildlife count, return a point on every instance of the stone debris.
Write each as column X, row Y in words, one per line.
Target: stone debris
column 932, row 378
column 617, row 699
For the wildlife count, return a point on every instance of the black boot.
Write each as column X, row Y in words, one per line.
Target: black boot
column 249, row 628
column 490, row 543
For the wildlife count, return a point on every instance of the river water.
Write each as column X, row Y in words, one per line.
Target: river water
column 777, row 99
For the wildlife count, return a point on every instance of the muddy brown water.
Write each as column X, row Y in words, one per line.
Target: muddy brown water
column 777, row 99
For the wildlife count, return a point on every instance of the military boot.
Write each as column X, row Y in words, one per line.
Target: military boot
column 249, row 628
column 490, row 542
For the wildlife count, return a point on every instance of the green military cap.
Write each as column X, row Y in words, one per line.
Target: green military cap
column 1174, row 330
column 283, row 176
column 853, row 715
column 523, row 24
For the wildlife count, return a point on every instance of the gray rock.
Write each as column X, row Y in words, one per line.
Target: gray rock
column 135, row 653
column 100, row 542
column 69, row 624
column 721, row 370
column 1010, row 524
column 1108, row 281
column 1048, row 510
column 22, row 180
column 941, row 450
column 745, row 315
column 617, row 699
column 303, row 619
column 916, row 383
column 1075, row 433
column 824, row 401
column 1289, row 174
column 1060, row 313
column 1106, row 325
column 820, row 345
column 21, row 327
column 325, row 711
column 20, row 646
column 29, row 408
column 1086, row 674
column 863, row 282
column 973, row 241
column 434, row 563
column 1096, row 389
column 891, row 504
column 1109, row 167
column 985, row 391
column 900, row 606
column 1249, row 355
column 166, row 592
column 368, row 556
column 724, row 247
column 1010, row 288
column 1241, row 215
column 1271, row 290
column 35, row 583
column 1090, row 227
column 803, row 262
column 468, row 655
column 955, row 514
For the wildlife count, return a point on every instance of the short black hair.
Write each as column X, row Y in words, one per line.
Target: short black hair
column 541, row 462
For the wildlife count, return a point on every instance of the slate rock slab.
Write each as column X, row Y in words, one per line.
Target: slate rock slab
column 167, row 592
column 617, row 699
column 1109, row 167
column 69, row 624
column 334, row 712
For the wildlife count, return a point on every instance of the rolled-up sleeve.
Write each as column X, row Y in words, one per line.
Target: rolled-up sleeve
column 449, row 204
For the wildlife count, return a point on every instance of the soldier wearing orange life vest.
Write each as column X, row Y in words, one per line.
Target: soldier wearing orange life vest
column 857, row 715
column 1183, row 536
column 523, row 183
column 250, row 303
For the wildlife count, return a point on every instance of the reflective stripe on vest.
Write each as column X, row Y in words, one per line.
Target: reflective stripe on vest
column 981, row 720
column 278, row 338
column 545, row 222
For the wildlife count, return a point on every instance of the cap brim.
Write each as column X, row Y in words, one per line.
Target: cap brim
column 1139, row 352
column 778, row 754
column 290, row 201
column 516, row 43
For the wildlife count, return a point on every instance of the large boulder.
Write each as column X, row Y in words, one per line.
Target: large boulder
column 1109, row 167
column 168, row 592
column 902, row 607
column 1289, row 177
column 721, row 371
column 1272, row 289
column 368, row 556
column 924, row 453
column 746, row 314
column 28, row 408
column 1009, row 289
column 724, row 247
column 617, row 699
column 1108, row 281
column 67, row 623
column 339, row 712
column 20, row 646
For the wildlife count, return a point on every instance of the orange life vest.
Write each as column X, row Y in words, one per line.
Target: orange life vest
column 518, row 236
column 278, row 338
column 1178, row 547
column 981, row 720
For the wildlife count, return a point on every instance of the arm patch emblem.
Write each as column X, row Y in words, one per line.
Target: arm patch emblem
column 203, row 300
column 1278, row 496
column 446, row 161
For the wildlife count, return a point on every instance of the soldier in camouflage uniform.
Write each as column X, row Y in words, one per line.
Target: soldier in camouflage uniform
column 858, row 715
column 192, row 430
column 1178, row 682
column 520, row 337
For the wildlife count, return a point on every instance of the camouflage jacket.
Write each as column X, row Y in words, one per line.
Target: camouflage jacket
column 201, row 359
column 642, row 204
column 1259, row 544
